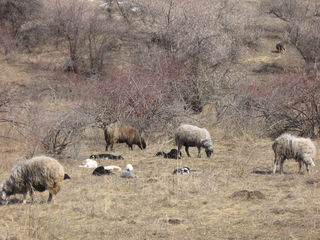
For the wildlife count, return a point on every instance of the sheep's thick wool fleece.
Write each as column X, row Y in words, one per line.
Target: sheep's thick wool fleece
column 192, row 134
column 295, row 147
column 38, row 170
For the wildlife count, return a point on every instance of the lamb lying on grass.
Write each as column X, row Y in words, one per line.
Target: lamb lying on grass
column 128, row 173
column 174, row 154
column 106, row 156
column 105, row 170
column 89, row 163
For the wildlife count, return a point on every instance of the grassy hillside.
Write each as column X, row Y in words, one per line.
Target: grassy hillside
column 233, row 195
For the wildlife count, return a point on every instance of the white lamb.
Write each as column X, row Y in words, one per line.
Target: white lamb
column 89, row 163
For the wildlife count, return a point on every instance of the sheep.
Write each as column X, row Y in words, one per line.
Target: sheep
column 174, row 154
column 128, row 173
column 106, row 156
column 288, row 146
column 280, row 47
column 112, row 168
column 89, row 163
column 39, row 173
column 193, row 136
column 114, row 133
column 101, row 171
column 105, row 170
column 182, row 170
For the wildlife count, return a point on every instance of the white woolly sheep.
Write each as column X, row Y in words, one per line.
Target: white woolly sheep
column 288, row 146
column 39, row 173
column 193, row 136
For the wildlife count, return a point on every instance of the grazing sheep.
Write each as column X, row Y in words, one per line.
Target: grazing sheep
column 193, row 136
column 280, row 47
column 89, row 163
column 39, row 173
column 288, row 146
column 106, row 156
column 174, row 154
column 114, row 133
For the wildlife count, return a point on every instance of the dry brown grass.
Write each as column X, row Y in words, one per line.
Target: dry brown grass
column 158, row 205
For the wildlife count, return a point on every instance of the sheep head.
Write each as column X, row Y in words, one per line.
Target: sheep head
column 4, row 197
column 207, row 144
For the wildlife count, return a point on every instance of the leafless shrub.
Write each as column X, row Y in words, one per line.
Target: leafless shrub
column 85, row 29
column 16, row 13
column 287, row 102
column 303, row 21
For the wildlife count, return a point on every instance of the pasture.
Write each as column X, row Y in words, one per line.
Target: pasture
column 206, row 204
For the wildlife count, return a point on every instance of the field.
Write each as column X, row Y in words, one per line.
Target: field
column 232, row 195
column 160, row 205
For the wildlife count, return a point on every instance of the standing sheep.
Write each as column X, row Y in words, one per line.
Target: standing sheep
column 114, row 133
column 280, row 47
column 193, row 136
column 288, row 146
column 39, row 173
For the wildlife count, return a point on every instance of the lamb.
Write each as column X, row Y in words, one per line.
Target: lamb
column 39, row 173
column 193, row 136
column 106, row 156
column 89, row 163
column 174, row 154
column 114, row 133
column 102, row 170
column 128, row 173
column 300, row 149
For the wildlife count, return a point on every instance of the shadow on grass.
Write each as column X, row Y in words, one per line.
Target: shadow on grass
column 262, row 171
column 20, row 201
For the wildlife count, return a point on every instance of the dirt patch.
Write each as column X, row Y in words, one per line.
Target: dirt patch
column 246, row 195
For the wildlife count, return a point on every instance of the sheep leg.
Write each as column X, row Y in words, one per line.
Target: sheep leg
column 187, row 150
column 300, row 167
column 275, row 165
column 179, row 150
column 50, row 197
column 307, row 167
column 31, row 195
column 281, row 165
column 24, row 201
column 199, row 152
column 7, row 199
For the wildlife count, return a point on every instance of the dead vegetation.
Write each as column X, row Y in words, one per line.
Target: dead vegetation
column 68, row 68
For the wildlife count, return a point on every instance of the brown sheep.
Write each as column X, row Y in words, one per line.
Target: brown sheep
column 114, row 133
